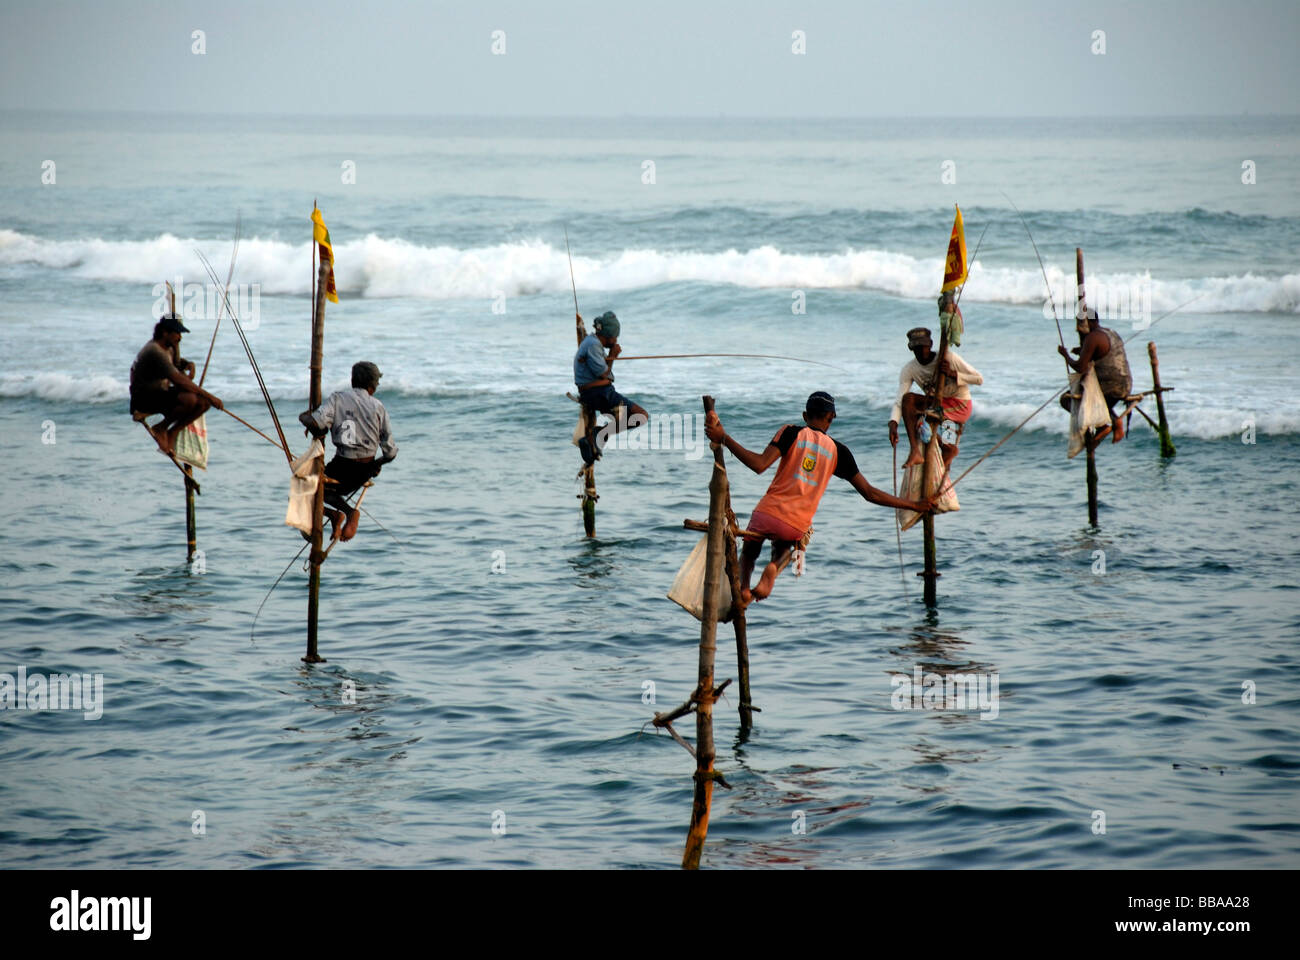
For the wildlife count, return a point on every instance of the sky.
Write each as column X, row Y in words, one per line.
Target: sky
column 706, row 58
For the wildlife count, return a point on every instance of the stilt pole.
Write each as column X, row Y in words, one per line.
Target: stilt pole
column 191, row 520
column 1166, row 441
column 931, row 573
column 318, row 509
column 1091, row 443
column 704, row 692
column 732, row 571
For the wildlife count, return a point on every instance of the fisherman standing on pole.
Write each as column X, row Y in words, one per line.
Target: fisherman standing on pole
column 359, row 426
column 160, row 383
column 593, row 374
column 809, row 458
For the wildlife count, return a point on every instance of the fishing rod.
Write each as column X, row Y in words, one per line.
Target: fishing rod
column 757, row 356
column 1051, row 297
column 573, row 283
column 269, row 440
column 266, row 394
column 299, row 554
column 221, row 309
column 1021, row 424
column 898, row 531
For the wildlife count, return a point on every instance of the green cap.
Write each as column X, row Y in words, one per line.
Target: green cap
column 606, row 324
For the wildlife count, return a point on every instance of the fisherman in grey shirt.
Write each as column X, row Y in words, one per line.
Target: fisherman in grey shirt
column 358, row 424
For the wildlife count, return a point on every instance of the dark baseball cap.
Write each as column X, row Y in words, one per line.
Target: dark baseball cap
column 172, row 324
column 820, row 403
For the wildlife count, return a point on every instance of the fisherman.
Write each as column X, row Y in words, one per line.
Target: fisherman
column 1102, row 348
column 359, row 426
column 910, row 408
column 160, row 383
column 809, row 458
column 593, row 373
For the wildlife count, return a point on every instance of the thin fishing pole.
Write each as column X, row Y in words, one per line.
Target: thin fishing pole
column 291, row 563
column 573, row 283
column 221, row 308
column 269, row 440
column 755, row 356
column 898, row 531
column 266, row 394
column 1054, row 395
column 979, row 243
column 1051, row 297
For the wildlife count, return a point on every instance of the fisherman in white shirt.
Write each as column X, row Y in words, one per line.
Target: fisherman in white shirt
column 909, row 408
column 358, row 424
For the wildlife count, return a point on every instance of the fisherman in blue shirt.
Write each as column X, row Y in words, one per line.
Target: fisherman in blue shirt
column 593, row 373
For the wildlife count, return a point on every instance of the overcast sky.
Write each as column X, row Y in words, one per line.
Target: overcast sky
column 654, row 57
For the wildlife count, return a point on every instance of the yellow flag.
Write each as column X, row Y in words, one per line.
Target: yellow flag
column 321, row 235
column 954, row 269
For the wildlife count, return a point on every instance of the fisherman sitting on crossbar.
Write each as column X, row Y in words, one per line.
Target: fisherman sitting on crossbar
column 358, row 424
column 910, row 408
column 593, row 374
column 160, row 383
column 809, row 458
column 1103, row 349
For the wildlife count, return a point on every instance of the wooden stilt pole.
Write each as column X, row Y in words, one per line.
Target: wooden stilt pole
column 1091, row 442
column 191, row 520
column 931, row 573
column 1166, row 441
column 704, row 693
column 318, row 510
column 732, row 571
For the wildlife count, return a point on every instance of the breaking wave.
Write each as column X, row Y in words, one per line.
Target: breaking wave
column 376, row 267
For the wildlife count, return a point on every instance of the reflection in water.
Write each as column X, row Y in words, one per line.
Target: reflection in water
column 928, row 653
column 595, row 560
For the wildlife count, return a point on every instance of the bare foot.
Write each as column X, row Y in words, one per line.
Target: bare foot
column 350, row 528
column 1117, row 431
column 766, row 582
column 746, row 597
column 334, row 518
column 160, row 437
column 914, row 459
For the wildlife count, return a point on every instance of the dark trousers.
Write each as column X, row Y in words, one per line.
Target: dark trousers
column 349, row 475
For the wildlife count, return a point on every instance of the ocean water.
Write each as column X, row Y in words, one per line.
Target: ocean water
column 500, row 660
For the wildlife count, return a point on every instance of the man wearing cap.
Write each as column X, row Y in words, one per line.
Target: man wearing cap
column 809, row 458
column 359, row 426
column 910, row 408
column 593, row 373
column 160, row 383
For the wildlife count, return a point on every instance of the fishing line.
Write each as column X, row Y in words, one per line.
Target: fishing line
column 573, row 283
column 290, row 564
column 221, row 310
column 1051, row 297
column 1053, row 396
column 757, row 356
column 273, row 586
column 266, row 394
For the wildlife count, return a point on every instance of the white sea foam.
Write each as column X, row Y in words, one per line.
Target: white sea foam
column 377, row 267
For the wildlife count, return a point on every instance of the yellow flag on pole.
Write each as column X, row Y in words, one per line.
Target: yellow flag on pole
column 321, row 234
column 955, row 267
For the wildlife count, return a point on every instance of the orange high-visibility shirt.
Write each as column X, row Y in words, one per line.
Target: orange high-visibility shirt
column 809, row 458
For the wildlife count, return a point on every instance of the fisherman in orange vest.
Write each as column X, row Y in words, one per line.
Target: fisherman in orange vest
column 809, row 458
